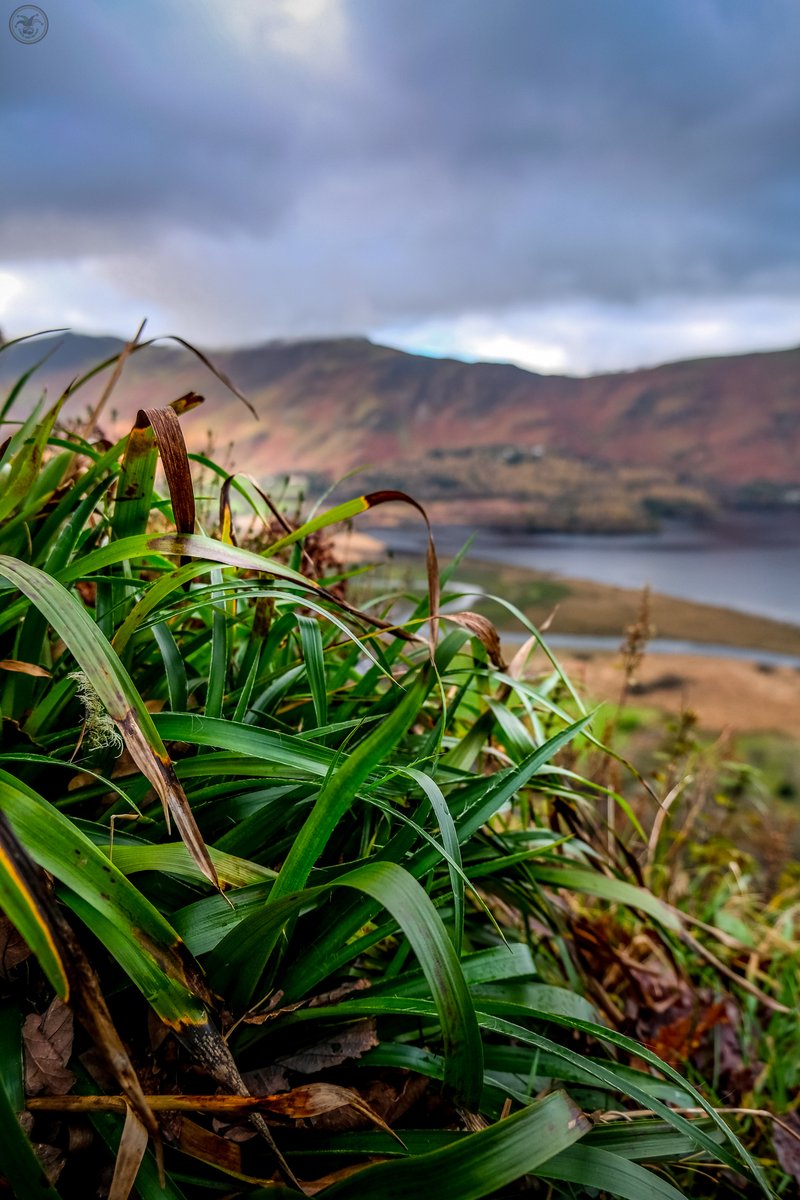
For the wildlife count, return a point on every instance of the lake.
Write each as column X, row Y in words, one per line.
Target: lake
column 749, row 561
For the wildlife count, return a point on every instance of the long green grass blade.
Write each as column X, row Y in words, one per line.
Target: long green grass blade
column 314, row 656
column 340, row 790
column 27, row 460
column 601, row 1171
column 594, row 883
column 155, row 957
column 19, row 901
column 450, row 842
column 478, row 1165
column 239, row 960
column 115, row 690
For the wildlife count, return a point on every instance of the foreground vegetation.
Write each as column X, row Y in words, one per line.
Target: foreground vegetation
column 304, row 897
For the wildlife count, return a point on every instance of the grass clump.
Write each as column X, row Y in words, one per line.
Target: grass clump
column 329, row 923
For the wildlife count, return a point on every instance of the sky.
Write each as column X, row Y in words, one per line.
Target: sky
column 572, row 185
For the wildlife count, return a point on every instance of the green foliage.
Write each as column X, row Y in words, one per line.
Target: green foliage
column 385, row 853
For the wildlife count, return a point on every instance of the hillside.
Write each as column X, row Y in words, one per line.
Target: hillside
column 492, row 440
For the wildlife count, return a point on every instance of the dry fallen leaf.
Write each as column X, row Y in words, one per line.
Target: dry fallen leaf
column 48, row 1045
column 53, row 1160
column 350, row 1043
column 387, row 1098
column 13, row 948
column 339, row 993
column 318, row 1099
column 678, row 1041
column 266, row 1082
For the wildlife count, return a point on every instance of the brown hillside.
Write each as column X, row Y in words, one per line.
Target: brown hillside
column 684, row 433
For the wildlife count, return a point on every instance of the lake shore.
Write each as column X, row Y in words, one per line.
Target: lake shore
column 597, row 609
column 726, row 693
column 746, row 562
column 585, row 608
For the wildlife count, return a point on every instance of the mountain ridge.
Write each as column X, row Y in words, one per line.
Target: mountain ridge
column 514, row 445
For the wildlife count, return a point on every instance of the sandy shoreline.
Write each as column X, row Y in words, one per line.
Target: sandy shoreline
column 725, row 694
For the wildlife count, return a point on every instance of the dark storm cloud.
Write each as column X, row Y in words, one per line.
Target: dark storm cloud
column 388, row 161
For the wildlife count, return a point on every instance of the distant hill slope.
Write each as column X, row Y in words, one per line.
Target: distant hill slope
column 610, row 451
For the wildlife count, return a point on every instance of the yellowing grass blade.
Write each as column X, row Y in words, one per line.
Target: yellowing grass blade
column 27, row 461
column 114, row 688
column 21, row 901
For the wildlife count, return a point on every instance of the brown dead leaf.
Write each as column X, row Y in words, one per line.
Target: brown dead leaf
column 392, row 1097
column 233, row 1132
column 23, row 668
column 318, row 1099
column 484, row 630
column 338, row 993
column 274, row 1009
column 271, row 1013
column 48, row 1045
column 209, row 1147
column 266, row 1082
column 52, row 1159
column 132, row 1146
column 786, row 1146
column 87, row 590
column 13, row 948
column 678, row 1041
column 350, row 1043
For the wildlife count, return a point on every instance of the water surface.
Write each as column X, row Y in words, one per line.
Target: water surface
column 745, row 561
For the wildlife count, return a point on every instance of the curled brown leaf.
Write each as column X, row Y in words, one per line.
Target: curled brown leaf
column 47, row 1038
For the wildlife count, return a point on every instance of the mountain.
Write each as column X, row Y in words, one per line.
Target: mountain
column 477, row 441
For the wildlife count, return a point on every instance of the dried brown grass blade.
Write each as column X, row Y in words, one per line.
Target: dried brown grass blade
column 174, row 459
column 220, row 1152
column 372, row 500
column 484, row 631
column 314, row 1099
column 132, row 1146
column 23, row 668
column 518, row 663
column 202, row 1144
column 161, row 774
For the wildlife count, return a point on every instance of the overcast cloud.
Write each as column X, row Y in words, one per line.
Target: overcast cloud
column 572, row 184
